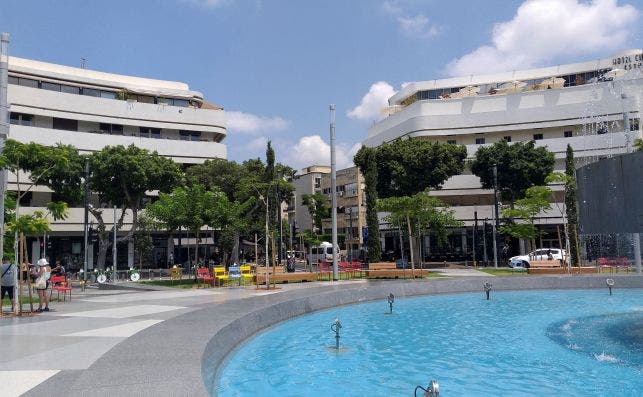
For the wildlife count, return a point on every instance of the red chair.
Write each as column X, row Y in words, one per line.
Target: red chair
column 604, row 264
column 324, row 269
column 622, row 264
column 203, row 275
column 347, row 269
column 357, row 268
column 59, row 284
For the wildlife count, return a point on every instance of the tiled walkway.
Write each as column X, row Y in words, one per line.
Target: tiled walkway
column 74, row 335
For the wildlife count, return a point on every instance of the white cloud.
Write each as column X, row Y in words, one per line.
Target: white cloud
column 313, row 150
column 412, row 25
column 247, row 123
column 543, row 30
column 417, row 26
column 370, row 108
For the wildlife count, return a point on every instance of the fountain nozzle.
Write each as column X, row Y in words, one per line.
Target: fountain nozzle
column 487, row 288
column 391, row 299
column 335, row 327
column 610, row 284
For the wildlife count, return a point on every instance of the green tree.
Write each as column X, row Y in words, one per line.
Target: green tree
column 521, row 223
column 417, row 213
column 143, row 241
column 192, row 207
column 317, row 208
column 571, row 208
column 366, row 161
column 53, row 166
column 409, row 166
column 520, row 166
column 242, row 184
column 122, row 176
column 638, row 144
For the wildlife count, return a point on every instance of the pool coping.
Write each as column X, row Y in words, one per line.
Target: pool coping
column 169, row 358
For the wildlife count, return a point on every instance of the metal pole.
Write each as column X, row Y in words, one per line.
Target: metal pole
column 266, row 252
column 484, row 241
column 350, row 234
column 4, row 125
column 636, row 240
column 114, row 249
column 495, row 223
column 475, row 229
column 281, row 231
column 333, row 190
column 86, row 222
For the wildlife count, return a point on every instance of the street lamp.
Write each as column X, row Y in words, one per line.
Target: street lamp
column 350, row 233
column 265, row 202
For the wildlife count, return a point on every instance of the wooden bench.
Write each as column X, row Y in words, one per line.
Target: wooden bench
column 279, row 275
column 545, row 264
column 390, row 270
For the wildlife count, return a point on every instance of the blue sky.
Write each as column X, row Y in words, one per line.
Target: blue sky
column 275, row 66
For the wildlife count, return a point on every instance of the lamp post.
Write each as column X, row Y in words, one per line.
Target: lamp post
column 86, row 221
column 350, row 234
column 265, row 202
column 495, row 222
column 333, row 190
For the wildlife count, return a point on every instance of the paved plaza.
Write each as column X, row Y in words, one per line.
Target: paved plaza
column 158, row 342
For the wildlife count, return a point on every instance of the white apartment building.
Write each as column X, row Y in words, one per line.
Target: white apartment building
column 89, row 110
column 581, row 104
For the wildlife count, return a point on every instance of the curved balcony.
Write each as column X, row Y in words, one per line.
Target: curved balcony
column 185, row 152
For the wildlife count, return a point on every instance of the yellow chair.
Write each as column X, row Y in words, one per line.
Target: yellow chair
column 219, row 274
column 246, row 273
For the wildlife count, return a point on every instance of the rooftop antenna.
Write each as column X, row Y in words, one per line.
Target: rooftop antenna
column 83, row 61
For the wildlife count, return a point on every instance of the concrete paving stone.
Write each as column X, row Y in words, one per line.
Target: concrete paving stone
column 15, row 383
column 118, row 331
column 80, row 353
column 124, row 311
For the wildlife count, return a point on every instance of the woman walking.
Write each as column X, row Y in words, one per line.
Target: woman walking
column 42, row 284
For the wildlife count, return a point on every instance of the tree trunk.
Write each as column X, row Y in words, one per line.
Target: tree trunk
column 408, row 224
column 103, row 247
column 235, row 247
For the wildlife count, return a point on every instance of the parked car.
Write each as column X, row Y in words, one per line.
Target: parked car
column 542, row 254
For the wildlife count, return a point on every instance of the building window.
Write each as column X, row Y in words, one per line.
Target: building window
column 108, row 94
column 150, row 132
column 50, row 86
column 568, row 134
column 91, row 92
column 190, row 135
column 65, row 124
column 480, row 141
column 507, row 138
column 113, row 129
column 451, row 141
column 21, row 119
column 634, row 124
column 70, row 89
column 538, row 137
column 317, row 182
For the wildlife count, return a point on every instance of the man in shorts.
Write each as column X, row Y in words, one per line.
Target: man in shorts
column 7, row 270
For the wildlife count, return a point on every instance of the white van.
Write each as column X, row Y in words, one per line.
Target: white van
column 323, row 253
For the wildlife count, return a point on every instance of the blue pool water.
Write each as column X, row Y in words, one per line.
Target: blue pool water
column 562, row 343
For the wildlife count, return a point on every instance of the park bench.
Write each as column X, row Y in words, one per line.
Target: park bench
column 544, row 264
column 390, row 270
column 278, row 274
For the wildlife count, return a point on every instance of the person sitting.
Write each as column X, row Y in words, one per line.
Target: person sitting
column 58, row 270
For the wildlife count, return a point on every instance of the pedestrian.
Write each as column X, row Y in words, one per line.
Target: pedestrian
column 58, row 270
column 42, row 284
column 7, row 281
